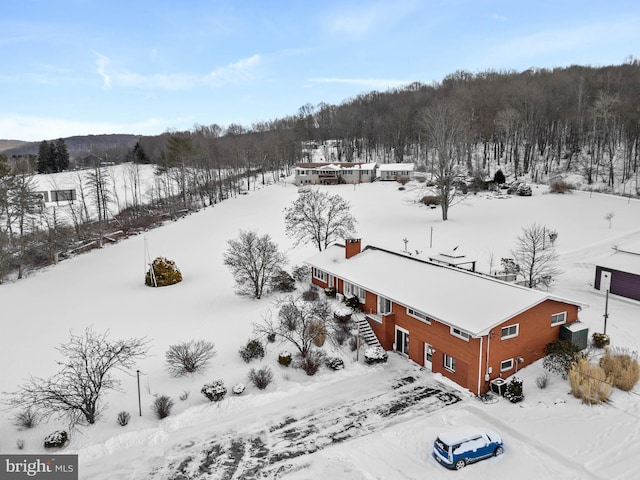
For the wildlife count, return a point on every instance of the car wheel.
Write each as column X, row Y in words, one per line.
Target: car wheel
column 499, row 451
column 460, row 464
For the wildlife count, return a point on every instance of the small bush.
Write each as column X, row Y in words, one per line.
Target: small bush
column 317, row 332
column 560, row 356
column 189, row 357
column 238, row 388
column 310, row 295
column 499, row 178
column 375, row 355
column 354, row 343
column 184, row 395
column 514, row 391
column 56, row 439
column 402, row 179
column 123, row 418
column 600, row 340
column 352, row 302
column 20, row 444
column 214, row 391
column 401, row 188
column 284, row 359
column 283, row 282
column 310, row 363
column 252, row 350
column 542, row 381
column 589, row 383
column 334, row 363
column 430, row 200
column 271, row 337
column 622, row 367
column 26, row 419
column 165, row 272
column 343, row 317
column 261, row 378
column 162, row 406
column 300, row 273
column 330, row 292
column 560, row 186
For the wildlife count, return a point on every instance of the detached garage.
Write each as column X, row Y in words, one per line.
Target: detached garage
column 620, row 273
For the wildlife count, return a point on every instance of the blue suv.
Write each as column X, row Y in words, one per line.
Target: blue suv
column 456, row 448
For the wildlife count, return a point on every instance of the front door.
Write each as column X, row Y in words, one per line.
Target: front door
column 605, row 280
column 428, row 357
column 402, row 341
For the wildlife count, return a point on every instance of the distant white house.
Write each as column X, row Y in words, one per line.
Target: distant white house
column 334, row 173
column 391, row 171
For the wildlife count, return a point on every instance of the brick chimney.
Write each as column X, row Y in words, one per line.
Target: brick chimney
column 352, row 247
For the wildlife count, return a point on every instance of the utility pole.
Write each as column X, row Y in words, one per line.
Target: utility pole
column 139, row 401
column 606, row 311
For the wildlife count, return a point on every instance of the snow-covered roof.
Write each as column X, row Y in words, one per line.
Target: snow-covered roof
column 459, row 298
column 336, row 166
column 396, row 166
column 623, row 261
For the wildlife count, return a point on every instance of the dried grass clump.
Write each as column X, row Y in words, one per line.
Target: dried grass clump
column 318, row 333
column 622, row 366
column 589, row 383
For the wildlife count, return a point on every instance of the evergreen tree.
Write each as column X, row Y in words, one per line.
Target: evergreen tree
column 46, row 158
column 61, row 158
column 139, row 155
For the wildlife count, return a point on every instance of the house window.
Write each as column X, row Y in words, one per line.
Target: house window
column 506, row 365
column 456, row 332
column 353, row 290
column 558, row 318
column 419, row 315
column 510, row 331
column 384, row 305
column 449, row 363
column 319, row 274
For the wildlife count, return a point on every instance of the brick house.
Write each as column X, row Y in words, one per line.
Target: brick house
column 466, row 326
column 334, row 173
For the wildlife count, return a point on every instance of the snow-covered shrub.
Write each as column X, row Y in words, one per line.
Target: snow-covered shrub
column 542, row 381
column 330, row 292
column 253, row 349
column 283, row 282
column 123, row 418
column 310, row 363
column 354, row 343
column 238, row 388
column 514, row 392
column 57, row 439
column 622, row 366
column 560, row 355
column 162, row 406
column 162, row 272
column 271, row 337
column 600, row 340
column 311, row 294
column 334, row 363
column 589, row 382
column 214, row 391
column 430, row 200
column 26, row 419
column 300, row 273
column 375, row 355
column 352, row 301
column 402, row 179
column 560, row 186
column 284, row 358
column 261, row 378
column 189, row 357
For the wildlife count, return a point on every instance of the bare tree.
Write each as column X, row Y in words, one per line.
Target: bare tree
column 535, row 257
column 253, row 261
column 75, row 391
column 299, row 322
column 319, row 218
column 445, row 130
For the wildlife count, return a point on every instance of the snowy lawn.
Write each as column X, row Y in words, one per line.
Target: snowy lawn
column 549, row 435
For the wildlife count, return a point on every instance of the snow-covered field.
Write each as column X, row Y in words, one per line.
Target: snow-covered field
column 335, row 424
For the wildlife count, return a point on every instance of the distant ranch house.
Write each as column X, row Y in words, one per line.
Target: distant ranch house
column 473, row 329
column 334, row 173
column 620, row 273
column 391, row 171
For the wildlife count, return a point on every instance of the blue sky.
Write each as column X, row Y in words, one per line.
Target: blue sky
column 78, row 67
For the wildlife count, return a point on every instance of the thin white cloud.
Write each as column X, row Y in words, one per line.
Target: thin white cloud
column 498, row 17
column 241, row 71
column 376, row 83
column 373, row 17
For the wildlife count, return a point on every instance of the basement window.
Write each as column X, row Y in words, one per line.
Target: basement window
column 506, row 365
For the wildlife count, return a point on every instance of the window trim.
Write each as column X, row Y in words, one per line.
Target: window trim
column 412, row 312
column 562, row 322
column 510, row 361
column 450, row 365
column 381, row 301
column 509, row 335
column 457, row 332
column 319, row 274
column 349, row 290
